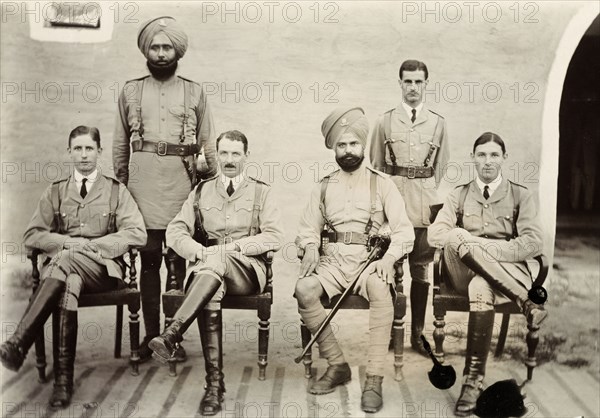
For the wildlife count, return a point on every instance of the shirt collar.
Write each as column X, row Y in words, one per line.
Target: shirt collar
column 409, row 109
column 237, row 180
column 91, row 178
column 493, row 185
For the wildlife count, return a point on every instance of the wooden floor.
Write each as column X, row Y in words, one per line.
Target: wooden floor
column 105, row 388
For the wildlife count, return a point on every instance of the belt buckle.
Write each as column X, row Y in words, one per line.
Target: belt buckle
column 161, row 148
column 348, row 237
column 227, row 240
column 412, row 172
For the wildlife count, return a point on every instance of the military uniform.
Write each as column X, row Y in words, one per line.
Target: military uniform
column 88, row 218
column 163, row 123
column 485, row 249
column 227, row 219
column 489, row 224
column 347, row 207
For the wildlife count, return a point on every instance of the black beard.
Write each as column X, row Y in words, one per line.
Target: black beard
column 162, row 72
column 350, row 162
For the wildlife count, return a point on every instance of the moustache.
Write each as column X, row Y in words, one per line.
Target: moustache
column 229, row 165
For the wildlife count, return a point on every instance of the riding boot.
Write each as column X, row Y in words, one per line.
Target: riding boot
column 41, row 305
column 500, row 279
column 418, row 305
column 65, row 359
column 210, row 323
column 479, row 338
column 198, row 295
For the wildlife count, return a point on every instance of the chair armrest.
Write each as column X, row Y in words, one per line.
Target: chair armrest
column 543, row 273
column 438, row 261
column 133, row 254
column 269, row 270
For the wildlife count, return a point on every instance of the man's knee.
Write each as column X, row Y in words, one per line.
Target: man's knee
column 308, row 290
column 377, row 289
column 480, row 291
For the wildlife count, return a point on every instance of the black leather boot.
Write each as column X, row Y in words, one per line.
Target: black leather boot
column 41, row 305
column 202, row 289
column 479, row 338
column 211, row 335
column 500, row 279
column 65, row 360
column 418, row 305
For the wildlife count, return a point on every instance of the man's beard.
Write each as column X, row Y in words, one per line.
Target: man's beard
column 350, row 162
column 162, row 72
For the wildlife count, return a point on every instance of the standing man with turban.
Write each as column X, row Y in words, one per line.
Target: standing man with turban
column 356, row 201
column 410, row 142
column 164, row 122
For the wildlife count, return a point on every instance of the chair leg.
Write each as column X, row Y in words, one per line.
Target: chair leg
column 118, row 331
column 398, row 335
column 502, row 335
column 264, row 314
column 438, row 336
column 532, row 342
column 134, row 337
column 307, row 360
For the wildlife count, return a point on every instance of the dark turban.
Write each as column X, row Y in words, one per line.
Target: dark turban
column 166, row 25
column 345, row 120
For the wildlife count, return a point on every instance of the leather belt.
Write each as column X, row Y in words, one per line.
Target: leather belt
column 412, row 172
column 165, row 148
column 348, row 237
column 220, row 241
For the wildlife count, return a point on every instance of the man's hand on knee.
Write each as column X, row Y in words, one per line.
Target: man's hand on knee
column 309, row 261
column 384, row 268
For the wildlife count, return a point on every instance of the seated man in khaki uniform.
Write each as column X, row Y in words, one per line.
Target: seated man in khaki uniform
column 349, row 205
column 74, row 224
column 239, row 223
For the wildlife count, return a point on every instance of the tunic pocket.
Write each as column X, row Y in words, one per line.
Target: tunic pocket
column 473, row 218
column 504, row 219
column 97, row 219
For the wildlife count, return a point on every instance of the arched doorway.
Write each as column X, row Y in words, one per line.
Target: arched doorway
column 578, row 202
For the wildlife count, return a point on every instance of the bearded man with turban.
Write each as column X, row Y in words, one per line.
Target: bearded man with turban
column 410, row 142
column 163, row 124
column 327, row 269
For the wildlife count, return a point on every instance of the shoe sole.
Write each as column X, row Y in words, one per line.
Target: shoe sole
column 160, row 351
column 371, row 410
column 319, row 392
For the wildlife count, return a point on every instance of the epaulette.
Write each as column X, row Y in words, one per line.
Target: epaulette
column 61, row 180
column 328, row 175
column 382, row 174
column 188, row 80
column 463, row 185
column 137, row 79
column 517, row 184
column 259, row 181
column 436, row 113
column 110, row 178
column 209, row 179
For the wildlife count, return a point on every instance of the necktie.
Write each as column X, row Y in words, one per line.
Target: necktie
column 83, row 191
column 230, row 189
column 486, row 192
column 414, row 115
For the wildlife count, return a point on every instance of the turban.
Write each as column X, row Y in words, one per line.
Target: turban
column 345, row 120
column 166, row 25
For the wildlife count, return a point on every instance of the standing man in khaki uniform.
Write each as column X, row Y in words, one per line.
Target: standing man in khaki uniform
column 164, row 121
column 240, row 222
column 410, row 143
column 488, row 228
column 348, row 206
column 85, row 231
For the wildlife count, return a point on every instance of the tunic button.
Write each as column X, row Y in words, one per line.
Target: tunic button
column 485, row 235
column 82, row 206
column 412, row 144
column 82, row 225
column 412, row 159
column 228, row 216
column 486, row 224
column 486, row 206
column 411, row 130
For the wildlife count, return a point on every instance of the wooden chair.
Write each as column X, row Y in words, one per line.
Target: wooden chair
column 261, row 303
column 127, row 295
column 358, row 302
column 445, row 298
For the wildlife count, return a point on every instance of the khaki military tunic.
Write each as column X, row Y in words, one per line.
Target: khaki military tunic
column 411, row 143
column 88, row 218
column 160, row 184
column 347, row 206
column 228, row 217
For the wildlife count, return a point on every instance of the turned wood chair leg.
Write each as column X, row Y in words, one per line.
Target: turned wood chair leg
column 118, row 331
column 438, row 336
column 502, row 335
column 134, row 338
